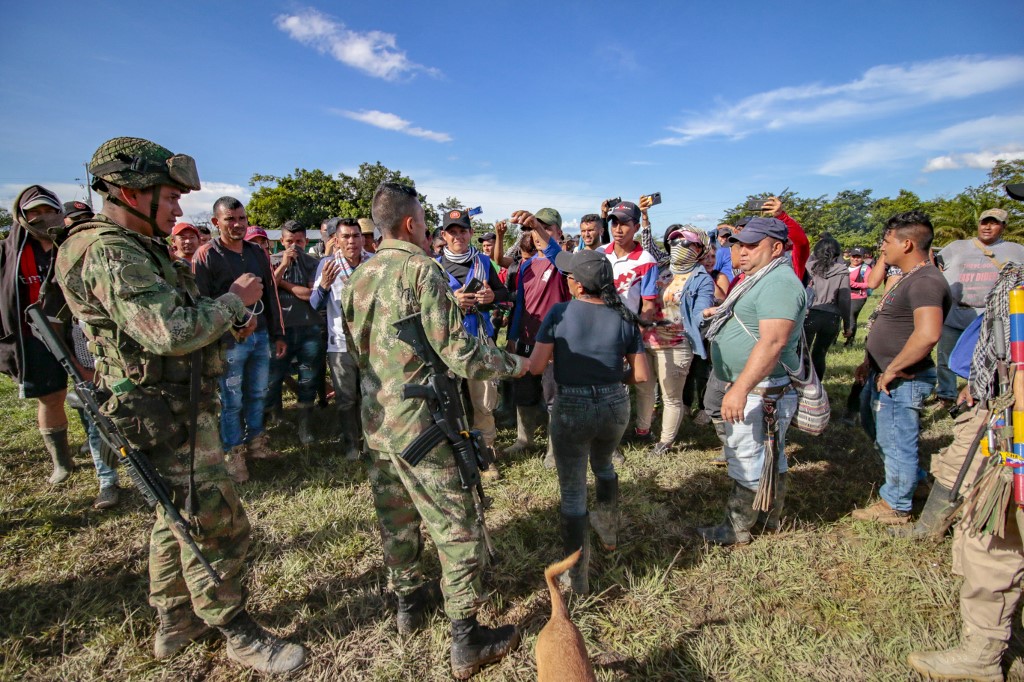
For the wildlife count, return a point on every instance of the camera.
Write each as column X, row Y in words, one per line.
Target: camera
column 755, row 205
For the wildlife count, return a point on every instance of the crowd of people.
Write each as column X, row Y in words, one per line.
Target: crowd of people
column 191, row 335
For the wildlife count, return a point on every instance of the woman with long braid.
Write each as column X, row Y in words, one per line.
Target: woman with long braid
column 588, row 338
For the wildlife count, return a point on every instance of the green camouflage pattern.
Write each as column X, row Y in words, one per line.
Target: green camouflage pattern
column 405, row 496
column 143, row 317
column 399, row 281
column 131, row 146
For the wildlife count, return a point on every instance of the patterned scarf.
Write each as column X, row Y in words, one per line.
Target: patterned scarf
column 725, row 311
column 683, row 259
column 346, row 269
column 997, row 307
column 460, row 258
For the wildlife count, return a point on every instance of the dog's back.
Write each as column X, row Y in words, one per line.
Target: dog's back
column 560, row 651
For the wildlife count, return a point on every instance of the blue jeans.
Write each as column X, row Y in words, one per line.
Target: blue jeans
column 306, row 347
column 947, row 379
column 106, row 474
column 895, row 421
column 587, row 423
column 243, row 390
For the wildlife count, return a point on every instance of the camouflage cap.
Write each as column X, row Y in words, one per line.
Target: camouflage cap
column 138, row 163
column 549, row 216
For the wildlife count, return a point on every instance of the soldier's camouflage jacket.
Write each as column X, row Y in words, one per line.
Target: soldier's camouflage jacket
column 143, row 317
column 399, row 281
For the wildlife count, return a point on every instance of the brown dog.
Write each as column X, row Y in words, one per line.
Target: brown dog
column 560, row 651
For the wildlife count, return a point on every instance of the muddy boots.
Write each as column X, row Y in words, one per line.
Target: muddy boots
column 771, row 522
column 306, row 436
column 56, row 442
column 605, row 517
column 178, row 628
column 413, row 608
column 575, row 535
column 740, row 517
column 528, row 418
column 977, row 658
column 350, row 433
column 474, row 646
column 935, row 518
column 254, row 647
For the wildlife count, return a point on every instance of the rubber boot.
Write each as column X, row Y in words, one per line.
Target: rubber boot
column 576, row 534
column 412, row 608
column 474, row 646
column 526, row 424
column 977, row 658
column 935, row 519
column 549, row 456
column 605, row 517
column 771, row 522
column 56, row 442
column 306, row 436
column 740, row 517
column 720, row 460
column 178, row 628
column 350, row 433
column 254, row 647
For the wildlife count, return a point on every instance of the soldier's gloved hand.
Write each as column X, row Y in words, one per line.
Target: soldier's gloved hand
column 248, row 287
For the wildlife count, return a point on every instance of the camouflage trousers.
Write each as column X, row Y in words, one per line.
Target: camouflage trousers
column 429, row 493
column 175, row 575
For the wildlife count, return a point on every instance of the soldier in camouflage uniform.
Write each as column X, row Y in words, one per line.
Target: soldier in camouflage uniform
column 402, row 280
column 144, row 318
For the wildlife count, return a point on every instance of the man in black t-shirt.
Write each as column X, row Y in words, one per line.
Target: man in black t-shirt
column 898, row 370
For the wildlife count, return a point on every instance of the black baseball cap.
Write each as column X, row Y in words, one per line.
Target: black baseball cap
column 858, row 251
column 625, row 211
column 758, row 228
column 487, row 237
column 77, row 209
column 1016, row 191
column 742, row 222
column 591, row 269
column 458, row 218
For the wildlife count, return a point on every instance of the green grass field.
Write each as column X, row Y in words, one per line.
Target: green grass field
column 827, row 599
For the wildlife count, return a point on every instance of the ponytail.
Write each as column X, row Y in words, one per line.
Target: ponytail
column 610, row 298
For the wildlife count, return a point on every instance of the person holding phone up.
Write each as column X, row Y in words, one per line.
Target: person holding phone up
column 477, row 287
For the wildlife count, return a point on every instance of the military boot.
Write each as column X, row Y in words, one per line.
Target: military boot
column 740, row 517
column 977, row 658
column 234, row 462
column 605, row 517
column 576, row 534
column 771, row 522
column 56, row 442
column 413, row 608
column 935, row 519
column 259, row 447
column 526, row 423
column 178, row 627
column 252, row 646
column 306, row 436
column 474, row 646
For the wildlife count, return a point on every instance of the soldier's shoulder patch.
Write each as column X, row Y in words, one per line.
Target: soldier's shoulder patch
column 137, row 276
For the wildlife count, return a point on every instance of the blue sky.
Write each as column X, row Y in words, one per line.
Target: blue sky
column 514, row 105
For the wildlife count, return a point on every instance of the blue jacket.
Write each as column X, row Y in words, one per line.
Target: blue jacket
column 698, row 293
column 471, row 321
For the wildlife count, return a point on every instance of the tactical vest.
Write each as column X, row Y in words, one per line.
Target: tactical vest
column 149, row 393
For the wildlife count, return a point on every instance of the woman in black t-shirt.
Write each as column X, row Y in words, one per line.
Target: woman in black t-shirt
column 588, row 338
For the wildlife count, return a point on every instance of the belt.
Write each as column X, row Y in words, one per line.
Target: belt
column 604, row 389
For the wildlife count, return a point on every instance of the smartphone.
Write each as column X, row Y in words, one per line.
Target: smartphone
column 655, row 198
column 472, row 286
column 755, row 205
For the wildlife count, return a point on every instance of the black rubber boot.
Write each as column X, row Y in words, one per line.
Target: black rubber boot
column 56, row 442
column 740, row 517
column 474, row 646
column 413, row 608
column 605, row 517
column 306, row 436
column 576, row 534
column 254, row 647
column 935, row 518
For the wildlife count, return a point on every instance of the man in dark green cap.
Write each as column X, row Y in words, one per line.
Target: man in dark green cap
column 147, row 324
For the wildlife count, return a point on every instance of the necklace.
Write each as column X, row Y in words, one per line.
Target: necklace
column 889, row 295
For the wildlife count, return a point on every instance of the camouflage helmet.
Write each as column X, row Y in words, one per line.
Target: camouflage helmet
column 137, row 163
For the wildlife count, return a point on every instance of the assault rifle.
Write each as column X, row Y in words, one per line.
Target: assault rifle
column 444, row 400
column 153, row 487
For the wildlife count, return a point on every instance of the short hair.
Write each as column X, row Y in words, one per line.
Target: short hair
column 226, row 204
column 292, row 227
column 592, row 218
column 203, row 229
column 913, row 225
column 392, row 202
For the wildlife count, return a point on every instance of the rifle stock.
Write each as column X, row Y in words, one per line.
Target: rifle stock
column 147, row 480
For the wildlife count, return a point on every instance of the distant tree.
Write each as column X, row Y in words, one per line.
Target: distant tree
column 846, row 216
column 358, row 191
column 6, row 220
column 1004, row 173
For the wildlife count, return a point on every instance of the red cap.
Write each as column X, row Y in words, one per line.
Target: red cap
column 254, row 231
column 181, row 227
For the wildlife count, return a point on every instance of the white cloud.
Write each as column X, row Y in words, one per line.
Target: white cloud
column 983, row 160
column 193, row 204
column 878, row 92
column 947, row 148
column 382, row 119
column 374, row 52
